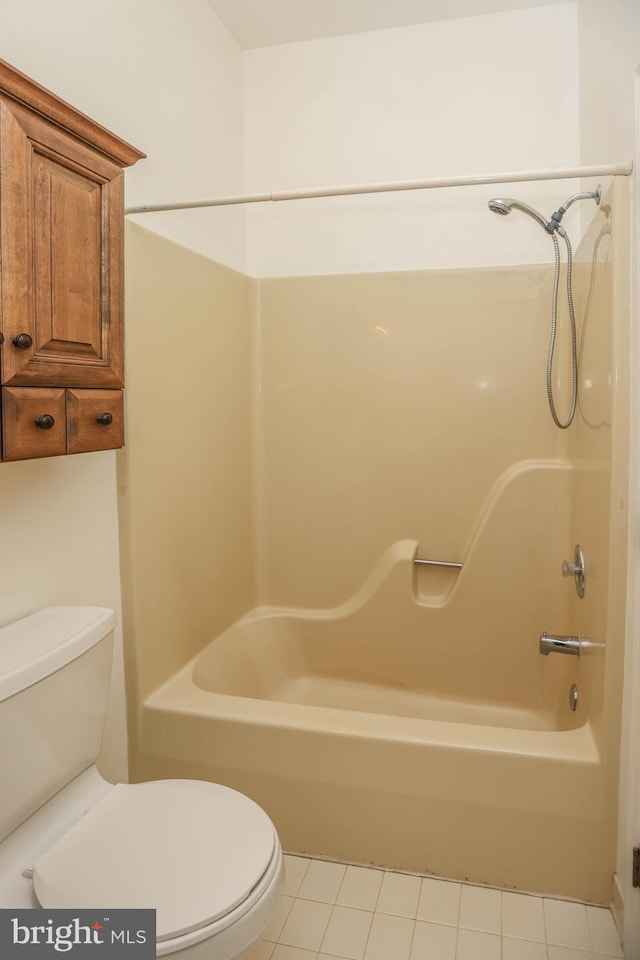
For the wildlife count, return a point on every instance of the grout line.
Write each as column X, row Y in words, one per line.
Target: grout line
column 375, row 906
column 413, row 935
column 465, row 883
column 324, row 932
column 458, row 917
column 344, row 877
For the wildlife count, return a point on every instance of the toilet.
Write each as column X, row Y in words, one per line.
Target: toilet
column 205, row 857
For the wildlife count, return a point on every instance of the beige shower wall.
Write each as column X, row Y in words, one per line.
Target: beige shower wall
column 601, row 405
column 282, row 434
column 599, row 449
column 390, row 405
column 185, row 474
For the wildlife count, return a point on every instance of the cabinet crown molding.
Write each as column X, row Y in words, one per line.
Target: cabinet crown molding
column 27, row 92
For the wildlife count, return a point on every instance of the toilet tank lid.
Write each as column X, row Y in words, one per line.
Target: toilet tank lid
column 40, row 644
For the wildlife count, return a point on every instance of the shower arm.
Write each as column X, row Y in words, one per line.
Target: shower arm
column 557, row 215
column 587, row 195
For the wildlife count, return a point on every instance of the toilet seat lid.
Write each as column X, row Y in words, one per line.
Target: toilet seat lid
column 191, row 850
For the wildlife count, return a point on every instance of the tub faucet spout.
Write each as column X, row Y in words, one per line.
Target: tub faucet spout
column 549, row 644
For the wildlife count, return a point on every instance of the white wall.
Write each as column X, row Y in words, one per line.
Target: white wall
column 168, row 78
column 467, row 96
column 165, row 76
column 609, row 36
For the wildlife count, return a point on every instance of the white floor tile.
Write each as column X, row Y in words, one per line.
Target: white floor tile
column 294, row 871
column 433, row 941
column 360, row 888
column 439, row 901
column 331, row 911
column 306, row 924
column 277, row 923
column 568, row 953
column 604, row 936
column 347, row 933
column 567, row 924
column 523, row 950
column 522, row 917
column 283, row 952
column 480, row 909
column 261, row 951
column 389, row 938
column 322, row 881
column 475, row 945
column 399, row 895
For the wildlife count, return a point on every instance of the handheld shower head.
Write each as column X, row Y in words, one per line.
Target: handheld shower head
column 504, row 205
column 501, row 207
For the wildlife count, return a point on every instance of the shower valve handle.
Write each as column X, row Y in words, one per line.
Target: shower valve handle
column 576, row 569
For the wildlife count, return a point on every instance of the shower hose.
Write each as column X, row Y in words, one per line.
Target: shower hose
column 552, row 339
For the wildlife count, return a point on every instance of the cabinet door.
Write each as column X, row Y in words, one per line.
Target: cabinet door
column 33, row 423
column 95, row 420
column 61, row 215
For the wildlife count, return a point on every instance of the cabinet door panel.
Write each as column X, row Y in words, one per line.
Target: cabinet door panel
column 60, row 222
column 26, row 430
column 67, row 275
column 95, row 420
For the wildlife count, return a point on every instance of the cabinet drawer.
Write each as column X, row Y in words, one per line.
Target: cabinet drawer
column 33, row 422
column 95, row 420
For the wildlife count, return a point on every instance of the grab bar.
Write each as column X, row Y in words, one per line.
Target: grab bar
column 438, row 563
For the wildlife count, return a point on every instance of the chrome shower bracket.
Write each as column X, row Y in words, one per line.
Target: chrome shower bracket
column 576, row 570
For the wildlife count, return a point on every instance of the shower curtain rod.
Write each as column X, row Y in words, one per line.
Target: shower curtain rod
column 566, row 173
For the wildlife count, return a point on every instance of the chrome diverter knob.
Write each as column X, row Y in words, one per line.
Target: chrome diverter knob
column 576, row 569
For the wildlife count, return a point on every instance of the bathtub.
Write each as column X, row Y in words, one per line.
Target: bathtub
column 403, row 730
column 510, row 806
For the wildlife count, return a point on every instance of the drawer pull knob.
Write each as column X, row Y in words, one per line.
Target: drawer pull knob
column 106, row 419
column 23, row 341
column 1, row 339
column 45, row 421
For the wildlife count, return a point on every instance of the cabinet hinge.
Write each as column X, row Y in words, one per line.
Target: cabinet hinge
column 636, row 866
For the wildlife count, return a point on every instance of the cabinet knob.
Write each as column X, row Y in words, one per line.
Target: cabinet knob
column 1, row 339
column 23, row 341
column 45, row 421
column 106, row 419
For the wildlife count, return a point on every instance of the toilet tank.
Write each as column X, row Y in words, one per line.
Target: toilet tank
column 55, row 669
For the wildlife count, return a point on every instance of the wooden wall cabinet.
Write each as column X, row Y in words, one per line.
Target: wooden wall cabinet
column 61, row 278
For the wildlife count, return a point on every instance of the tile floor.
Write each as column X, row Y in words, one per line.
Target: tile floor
column 332, row 910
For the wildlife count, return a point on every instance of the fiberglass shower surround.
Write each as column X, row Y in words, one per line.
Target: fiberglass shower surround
column 355, row 659
column 503, row 206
